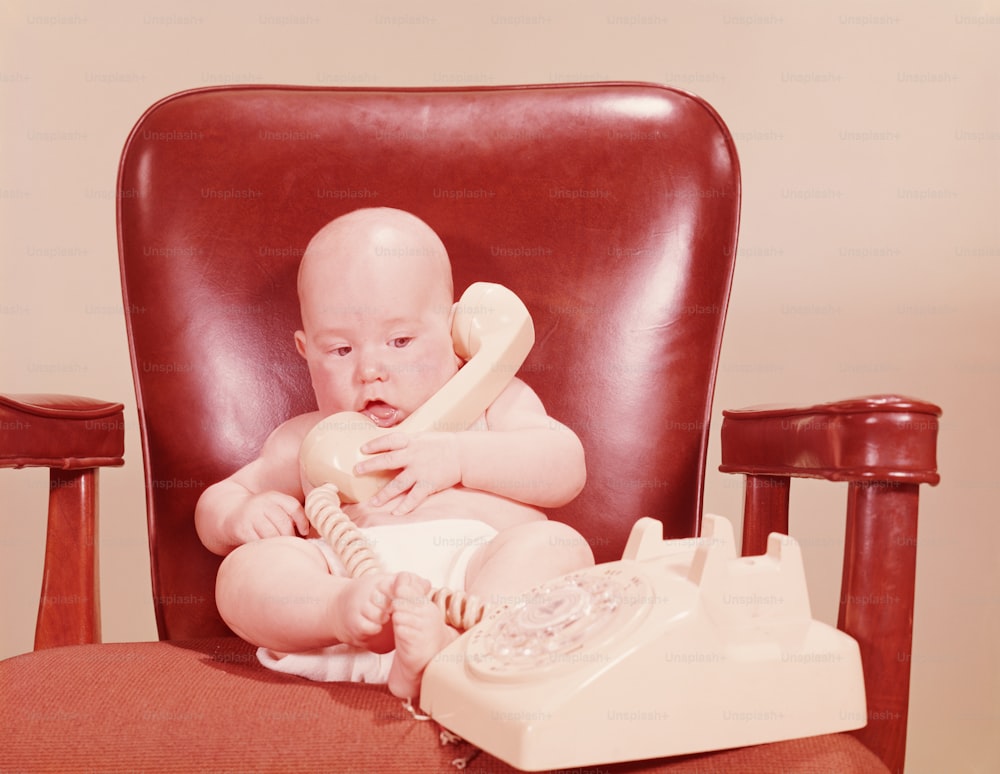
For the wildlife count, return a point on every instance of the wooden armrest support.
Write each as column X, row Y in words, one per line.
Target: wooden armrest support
column 72, row 436
column 884, row 446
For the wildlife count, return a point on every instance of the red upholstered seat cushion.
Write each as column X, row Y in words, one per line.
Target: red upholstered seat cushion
column 208, row 705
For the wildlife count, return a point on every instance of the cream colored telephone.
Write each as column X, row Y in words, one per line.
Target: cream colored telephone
column 492, row 330
column 680, row 647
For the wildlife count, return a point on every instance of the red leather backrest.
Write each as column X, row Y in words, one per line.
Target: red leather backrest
column 611, row 209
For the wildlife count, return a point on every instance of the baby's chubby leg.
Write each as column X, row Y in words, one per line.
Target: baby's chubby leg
column 278, row 593
column 524, row 556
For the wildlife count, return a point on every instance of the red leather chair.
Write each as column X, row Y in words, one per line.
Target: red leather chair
column 612, row 210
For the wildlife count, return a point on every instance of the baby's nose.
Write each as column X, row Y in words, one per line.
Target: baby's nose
column 372, row 370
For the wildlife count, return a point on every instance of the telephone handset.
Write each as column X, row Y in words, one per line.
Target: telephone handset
column 679, row 647
column 492, row 331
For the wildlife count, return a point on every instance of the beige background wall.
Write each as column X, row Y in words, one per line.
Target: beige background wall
column 869, row 134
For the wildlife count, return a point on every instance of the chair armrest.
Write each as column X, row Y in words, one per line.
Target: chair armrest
column 879, row 437
column 884, row 446
column 72, row 436
column 60, row 431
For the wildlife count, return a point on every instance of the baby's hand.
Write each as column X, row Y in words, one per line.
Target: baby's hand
column 269, row 514
column 427, row 463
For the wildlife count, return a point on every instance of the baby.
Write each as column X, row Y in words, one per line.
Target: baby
column 376, row 299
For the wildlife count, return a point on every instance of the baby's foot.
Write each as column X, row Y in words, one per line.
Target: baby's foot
column 362, row 610
column 420, row 632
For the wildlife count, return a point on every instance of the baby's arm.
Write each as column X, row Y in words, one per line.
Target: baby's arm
column 262, row 499
column 525, row 455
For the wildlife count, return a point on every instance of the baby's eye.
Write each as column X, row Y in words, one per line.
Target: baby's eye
column 340, row 351
column 401, row 341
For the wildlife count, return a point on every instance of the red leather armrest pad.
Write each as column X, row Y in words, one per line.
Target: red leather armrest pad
column 878, row 437
column 60, row 431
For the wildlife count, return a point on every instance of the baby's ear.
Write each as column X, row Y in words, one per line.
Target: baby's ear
column 300, row 342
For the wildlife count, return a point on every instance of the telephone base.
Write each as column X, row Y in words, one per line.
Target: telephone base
column 681, row 647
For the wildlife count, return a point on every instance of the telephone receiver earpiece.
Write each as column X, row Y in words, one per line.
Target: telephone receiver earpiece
column 492, row 331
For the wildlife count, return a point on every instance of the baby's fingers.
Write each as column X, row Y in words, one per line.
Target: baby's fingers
column 302, row 524
column 419, row 492
column 385, row 443
column 395, row 459
column 287, row 515
column 393, row 489
column 264, row 528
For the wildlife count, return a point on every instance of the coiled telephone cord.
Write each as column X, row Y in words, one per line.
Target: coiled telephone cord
column 461, row 611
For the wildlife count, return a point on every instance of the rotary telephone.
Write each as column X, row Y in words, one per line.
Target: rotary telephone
column 679, row 647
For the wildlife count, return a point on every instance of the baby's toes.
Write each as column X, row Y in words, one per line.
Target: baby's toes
column 377, row 602
column 410, row 589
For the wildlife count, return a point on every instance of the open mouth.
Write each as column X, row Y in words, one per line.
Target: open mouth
column 381, row 413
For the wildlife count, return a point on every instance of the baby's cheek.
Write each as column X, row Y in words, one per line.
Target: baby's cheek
column 331, row 394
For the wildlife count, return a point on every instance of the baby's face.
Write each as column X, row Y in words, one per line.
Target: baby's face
column 379, row 360
column 376, row 333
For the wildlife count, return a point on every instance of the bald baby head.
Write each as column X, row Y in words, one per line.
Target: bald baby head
column 377, row 245
column 376, row 298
